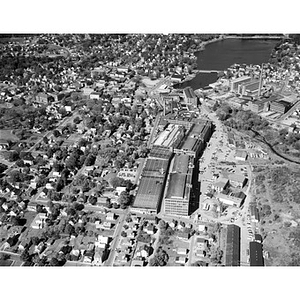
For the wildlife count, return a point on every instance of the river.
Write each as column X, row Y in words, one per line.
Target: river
column 222, row 54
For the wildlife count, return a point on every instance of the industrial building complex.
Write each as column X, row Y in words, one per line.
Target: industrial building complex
column 168, row 171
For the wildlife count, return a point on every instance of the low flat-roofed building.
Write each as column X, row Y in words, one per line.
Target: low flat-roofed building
column 170, row 137
column 149, row 193
column 196, row 138
column 232, row 250
column 249, row 88
column 155, row 168
column 220, row 185
column 256, row 254
column 241, row 155
column 280, row 106
column 256, row 106
column 229, row 199
column 237, row 180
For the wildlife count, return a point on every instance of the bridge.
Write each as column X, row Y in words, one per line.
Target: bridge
column 209, row 71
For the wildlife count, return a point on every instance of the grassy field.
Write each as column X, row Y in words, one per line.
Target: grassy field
column 6, row 134
column 277, row 194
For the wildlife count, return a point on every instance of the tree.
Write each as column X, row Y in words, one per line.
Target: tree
column 162, row 225
column 77, row 120
column 69, row 229
column 56, row 133
column 124, row 199
column 54, row 262
column 93, row 200
column 160, row 258
column 78, row 206
column 90, row 160
column 13, row 156
column 4, row 256
column 25, row 256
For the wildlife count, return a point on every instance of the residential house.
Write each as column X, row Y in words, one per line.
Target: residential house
column 200, row 253
column 39, row 221
column 180, row 260
column 150, row 229
column 183, row 235
column 110, row 216
column 182, row 251
column 202, row 228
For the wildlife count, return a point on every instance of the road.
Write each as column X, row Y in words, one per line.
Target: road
column 153, row 131
column 116, row 240
column 241, row 219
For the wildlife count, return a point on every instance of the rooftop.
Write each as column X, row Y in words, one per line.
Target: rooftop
column 177, row 187
column 232, row 256
column 256, row 254
column 149, row 192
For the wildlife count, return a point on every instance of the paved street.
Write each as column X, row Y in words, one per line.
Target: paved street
column 116, row 240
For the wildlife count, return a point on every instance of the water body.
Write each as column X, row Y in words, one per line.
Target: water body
column 222, row 54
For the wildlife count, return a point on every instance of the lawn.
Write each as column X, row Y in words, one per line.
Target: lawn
column 6, row 134
column 6, row 263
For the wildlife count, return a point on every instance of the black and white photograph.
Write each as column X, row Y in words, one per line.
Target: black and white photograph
column 149, row 146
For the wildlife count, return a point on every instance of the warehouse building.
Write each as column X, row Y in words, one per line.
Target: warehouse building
column 170, row 137
column 189, row 96
column 196, row 138
column 235, row 83
column 256, row 254
column 179, row 185
column 280, row 106
column 232, row 251
column 151, row 186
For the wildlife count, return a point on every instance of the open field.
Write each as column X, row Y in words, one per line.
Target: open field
column 7, row 135
column 277, row 194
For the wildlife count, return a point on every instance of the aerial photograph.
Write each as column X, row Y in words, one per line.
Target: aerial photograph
column 149, row 150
